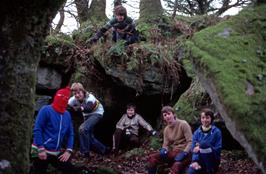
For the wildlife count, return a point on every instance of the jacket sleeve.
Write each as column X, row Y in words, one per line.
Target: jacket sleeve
column 70, row 138
column 144, row 123
column 39, row 127
column 218, row 141
column 120, row 123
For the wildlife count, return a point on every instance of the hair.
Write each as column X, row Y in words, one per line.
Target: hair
column 120, row 10
column 131, row 105
column 208, row 112
column 77, row 86
column 167, row 109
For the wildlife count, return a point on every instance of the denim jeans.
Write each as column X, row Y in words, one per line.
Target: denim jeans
column 86, row 136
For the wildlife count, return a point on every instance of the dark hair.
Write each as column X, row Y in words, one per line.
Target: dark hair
column 120, row 10
column 167, row 109
column 131, row 105
column 208, row 112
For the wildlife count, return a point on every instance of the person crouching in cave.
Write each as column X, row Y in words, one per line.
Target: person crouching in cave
column 127, row 128
column 206, row 145
column 92, row 111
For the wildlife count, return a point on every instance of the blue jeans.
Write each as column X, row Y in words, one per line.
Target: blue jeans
column 86, row 136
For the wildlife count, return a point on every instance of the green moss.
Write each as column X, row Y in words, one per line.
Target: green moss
column 190, row 102
column 59, row 40
column 134, row 152
column 155, row 143
column 232, row 54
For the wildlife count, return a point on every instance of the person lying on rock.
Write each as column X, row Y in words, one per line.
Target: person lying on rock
column 92, row 111
column 127, row 128
column 123, row 28
column 52, row 127
column 177, row 140
column 206, row 145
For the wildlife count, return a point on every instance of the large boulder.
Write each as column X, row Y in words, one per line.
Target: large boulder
column 229, row 60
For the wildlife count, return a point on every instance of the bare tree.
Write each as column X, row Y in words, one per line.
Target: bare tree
column 97, row 11
column 150, row 9
column 20, row 51
column 82, row 9
column 61, row 20
column 201, row 7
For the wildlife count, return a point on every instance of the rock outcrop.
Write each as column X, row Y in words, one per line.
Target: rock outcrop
column 230, row 62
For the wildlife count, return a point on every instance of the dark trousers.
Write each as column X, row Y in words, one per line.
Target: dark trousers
column 40, row 166
column 177, row 167
column 86, row 135
column 120, row 137
column 129, row 38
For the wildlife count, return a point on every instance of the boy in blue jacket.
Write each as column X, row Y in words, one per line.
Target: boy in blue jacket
column 206, row 146
column 53, row 126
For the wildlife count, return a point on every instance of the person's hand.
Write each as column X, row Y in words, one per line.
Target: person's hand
column 77, row 108
column 196, row 149
column 92, row 40
column 180, row 156
column 195, row 165
column 65, row 156
column 42, row 155
column 163, row 152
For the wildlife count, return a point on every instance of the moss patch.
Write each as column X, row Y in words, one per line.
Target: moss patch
column 233, row 54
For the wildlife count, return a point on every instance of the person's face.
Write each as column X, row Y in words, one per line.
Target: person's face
column 120, row 18
column 168, row 117
column 205, row 119
column 79, row 95
column 130, row 112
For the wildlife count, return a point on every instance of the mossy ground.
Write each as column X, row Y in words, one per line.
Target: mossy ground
column 233, row 54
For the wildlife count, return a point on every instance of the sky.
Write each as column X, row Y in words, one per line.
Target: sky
column 71, row 24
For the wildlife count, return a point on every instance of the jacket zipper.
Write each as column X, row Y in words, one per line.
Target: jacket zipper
column 60, row 127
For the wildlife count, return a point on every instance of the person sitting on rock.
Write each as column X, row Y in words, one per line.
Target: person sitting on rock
column 177, row 140
column 123, row 28
column 127, row 128
column 206, row 145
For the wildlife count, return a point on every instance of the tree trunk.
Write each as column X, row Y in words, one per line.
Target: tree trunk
column 24, row 25
column 261, row 1
column 61, row 20
column 83, row 10
column 97, row 11
column 150, row 9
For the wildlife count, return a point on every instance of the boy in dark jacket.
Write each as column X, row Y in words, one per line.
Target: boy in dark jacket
column 123, row 27
column 53, row 125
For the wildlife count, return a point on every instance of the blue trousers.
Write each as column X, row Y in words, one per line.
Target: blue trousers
column 208, row 161
column 86, row 136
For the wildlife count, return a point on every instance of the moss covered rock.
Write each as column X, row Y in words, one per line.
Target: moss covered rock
column 230, row 61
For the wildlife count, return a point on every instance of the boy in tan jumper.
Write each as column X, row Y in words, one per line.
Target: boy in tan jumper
column 177, row 142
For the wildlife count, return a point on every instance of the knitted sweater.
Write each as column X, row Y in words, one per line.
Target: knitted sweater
column 133, row 124
column 178, row 136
